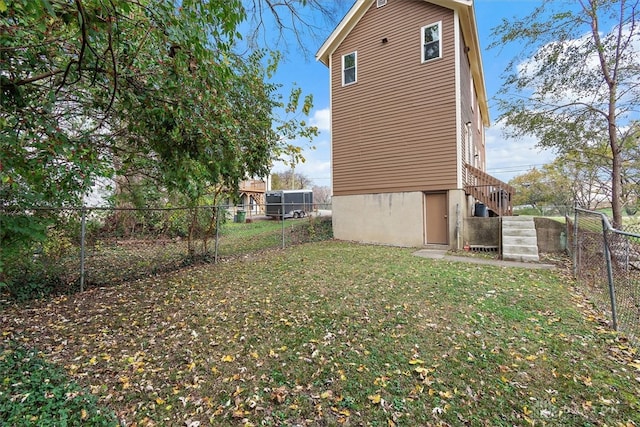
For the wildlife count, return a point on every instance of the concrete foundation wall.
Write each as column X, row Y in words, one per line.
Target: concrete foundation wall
column 398, row 219
column 486, row 232
column 549, row 233
column 386, row 218
column 482, row 231
column 458, row 210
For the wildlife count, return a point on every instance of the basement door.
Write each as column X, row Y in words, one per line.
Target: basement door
column 437, row 224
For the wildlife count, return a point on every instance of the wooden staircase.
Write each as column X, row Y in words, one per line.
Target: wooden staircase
column 495, row 194
column 519, row 239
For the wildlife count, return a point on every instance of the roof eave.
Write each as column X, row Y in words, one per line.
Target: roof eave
column 469, row 28
column 345, row 26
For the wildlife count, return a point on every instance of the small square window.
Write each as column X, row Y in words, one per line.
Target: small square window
column 349, row 63
column 432, row 42
column 381, row 3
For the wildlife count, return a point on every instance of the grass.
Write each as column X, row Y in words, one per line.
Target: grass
column 34, row 392
column 111, row 260
column 336, row 333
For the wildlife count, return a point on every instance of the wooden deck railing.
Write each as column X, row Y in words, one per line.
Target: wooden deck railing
column 495, row 194
column 253, row 185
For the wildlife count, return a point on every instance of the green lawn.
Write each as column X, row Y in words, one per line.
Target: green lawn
column 333, row 333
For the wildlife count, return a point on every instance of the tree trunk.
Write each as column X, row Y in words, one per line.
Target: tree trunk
column 190, row 243
column 616, row 181
column 616, row 161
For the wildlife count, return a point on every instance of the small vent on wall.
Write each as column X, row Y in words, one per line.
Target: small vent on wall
column 381, row 3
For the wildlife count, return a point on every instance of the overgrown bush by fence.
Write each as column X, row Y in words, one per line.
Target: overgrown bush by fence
column 94, row 247
column 607, row 267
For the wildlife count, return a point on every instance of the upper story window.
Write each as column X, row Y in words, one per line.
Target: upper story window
column 349, row 62
column 432, row 42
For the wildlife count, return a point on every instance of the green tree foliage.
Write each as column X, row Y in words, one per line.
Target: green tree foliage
column 290, row 180
column 631, row 169
column 141, row 90
column 575, row 82
column 573, row 178
column 531, row 189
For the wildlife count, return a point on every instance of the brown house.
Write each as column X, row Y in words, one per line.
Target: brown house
column 408, row 111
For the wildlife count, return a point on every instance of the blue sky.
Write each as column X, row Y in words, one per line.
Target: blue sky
column 505, row 158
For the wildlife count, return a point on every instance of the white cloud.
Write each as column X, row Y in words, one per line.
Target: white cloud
column 574, row 64
column 317, row 165
column 507, row 158
column 322, row 119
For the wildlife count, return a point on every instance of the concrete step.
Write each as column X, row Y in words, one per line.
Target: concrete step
column 520, row 249
column 520, row 232
column 517, row 218
column 520, row 257
column 519, row 239
column 517, row 225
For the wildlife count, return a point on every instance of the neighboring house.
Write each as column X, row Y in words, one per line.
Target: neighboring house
column 251, row 195
column 408, row 111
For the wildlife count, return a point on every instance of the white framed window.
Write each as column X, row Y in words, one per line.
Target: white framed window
column 431, row 36
column 473, row 94
column 470, row 146
column 381, row 3
column 349, row 68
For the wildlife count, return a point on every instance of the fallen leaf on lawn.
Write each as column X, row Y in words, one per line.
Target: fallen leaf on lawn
column 380, row 381
column 343, row 412
column 607, row 402
column 279, row 394
column 375, row 399
column 446, row 394
column 227, row 358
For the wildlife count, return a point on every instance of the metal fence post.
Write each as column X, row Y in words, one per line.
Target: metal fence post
column 612, row 291
column 576, row 246
column 83, row 230
column 282, row 219
column 215, row 246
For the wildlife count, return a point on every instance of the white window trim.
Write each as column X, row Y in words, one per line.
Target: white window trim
column 473, row 94
column 380, row 3
column 422, row 30
column 355, row 66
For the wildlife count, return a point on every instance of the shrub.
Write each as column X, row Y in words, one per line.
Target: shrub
column 34, row 392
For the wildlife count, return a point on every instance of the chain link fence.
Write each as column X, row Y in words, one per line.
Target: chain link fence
column 95, row 247
column 607, row 265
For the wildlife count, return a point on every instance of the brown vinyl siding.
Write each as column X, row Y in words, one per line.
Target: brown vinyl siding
column 467, row 110
column 395, row 129
column 470, row 114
